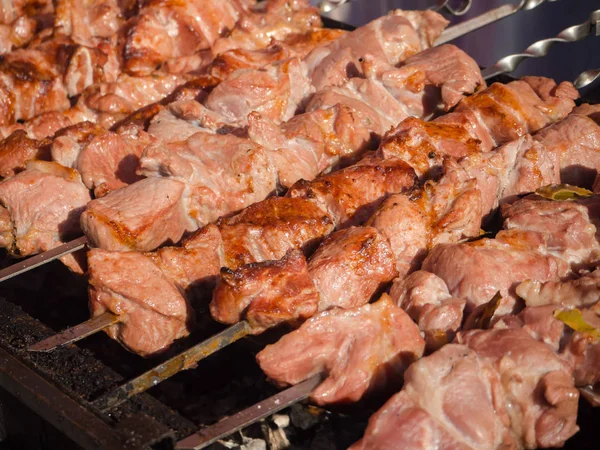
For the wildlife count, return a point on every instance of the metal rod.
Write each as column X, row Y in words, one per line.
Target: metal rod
column 185, row 360
column 42, row 258
column 248, row 416
column 484, row 19
column 542, row 48
column 76, row 333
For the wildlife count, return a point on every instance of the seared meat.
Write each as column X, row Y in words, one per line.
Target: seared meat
column 577, row 142
column 269, row 229
column 467, row 396
column 44, row 203
column 17, row 150
column 190, row 27
column 278, row 90
column 541, row 240
column 144, row 202
column 347, row 269
column 293, row 45
column 357, row 350
column 481, row 122
column 105, row 160
column 396, row 93
column 578, row 347
column 275, row 91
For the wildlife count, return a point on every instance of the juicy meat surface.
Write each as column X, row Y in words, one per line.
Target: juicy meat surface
column 357, row 350
column 465, row 396
column 350, row 266
column 268, row 229
column 119, row 221
column 106, row 161
column 162, row 31
column 425, row 297
column 148, row 326
column 576, row 140
column 347, row 269
column 276, row 91
column 351, row 195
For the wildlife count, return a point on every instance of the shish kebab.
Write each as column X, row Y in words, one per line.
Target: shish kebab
column 112, row 319
column 302, row 220
column 75, row 245
column 493, row 101
column 179, row 362
column 172, row 188
column 265, row 301
column 333, row 376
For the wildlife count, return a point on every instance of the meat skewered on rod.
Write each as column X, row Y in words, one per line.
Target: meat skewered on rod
column 42, row 258
column 167, row 369
column 202, row 186
column 292, row 359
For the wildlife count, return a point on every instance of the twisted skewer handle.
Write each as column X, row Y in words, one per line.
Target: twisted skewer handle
column 586, row 78
column 542, row 48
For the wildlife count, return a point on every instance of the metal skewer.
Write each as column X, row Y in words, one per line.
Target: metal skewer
column 586, row 78
column 76, row 333
column 248, row 416
column 174, row 365
column 43, row 258
column 447, row 35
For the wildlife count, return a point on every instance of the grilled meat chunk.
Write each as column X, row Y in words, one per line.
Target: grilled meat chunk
column 347, row 269
column 466, row 396
column 150, row 326
column 577, row 347
column 577, row 142
column 541, row 240
column 44, row 203
column 583, row 291
column 357, row 350
column 191, row 26
column 17, row 150
column 269, row 229
column 391, row 38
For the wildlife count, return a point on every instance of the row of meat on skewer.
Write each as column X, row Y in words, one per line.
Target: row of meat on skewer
column 375, row 194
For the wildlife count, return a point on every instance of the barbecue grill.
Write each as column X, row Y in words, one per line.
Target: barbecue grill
column 47, row 399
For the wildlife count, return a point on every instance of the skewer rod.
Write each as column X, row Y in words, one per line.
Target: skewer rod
column 42, row 258
column 76, row 333
column 248, row 416
column 186, row 360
